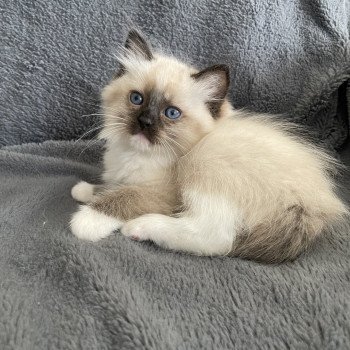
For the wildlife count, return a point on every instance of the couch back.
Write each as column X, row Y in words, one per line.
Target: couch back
column 56, row 55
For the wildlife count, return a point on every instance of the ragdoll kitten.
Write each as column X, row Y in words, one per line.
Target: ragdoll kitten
column 186, row 171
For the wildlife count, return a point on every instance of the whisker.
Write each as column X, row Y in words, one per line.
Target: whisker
column 114, row 117
column 87, row 133
column 99, row 127
column 166, row 148
column 172, row 150
column 90, row 144
column 159, row 156
column 176, row 143
column 93, row 142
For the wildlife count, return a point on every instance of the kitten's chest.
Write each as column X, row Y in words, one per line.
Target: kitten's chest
column 128, row 167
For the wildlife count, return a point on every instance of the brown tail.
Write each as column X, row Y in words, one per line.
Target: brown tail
column 281, row 239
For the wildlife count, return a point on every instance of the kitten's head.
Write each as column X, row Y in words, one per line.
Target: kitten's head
column 159, row 104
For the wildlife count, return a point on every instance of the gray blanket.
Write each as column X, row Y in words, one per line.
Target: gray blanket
column 60, row 293
column 286, row 57
column 57, row 292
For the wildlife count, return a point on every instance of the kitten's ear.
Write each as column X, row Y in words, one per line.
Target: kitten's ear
column 136, row 44
column 216, row 80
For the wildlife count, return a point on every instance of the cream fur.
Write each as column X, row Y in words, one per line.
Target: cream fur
column 209, row 228
column 125, row 164
column 83, row 192
column 245, row 185
column 92, row 225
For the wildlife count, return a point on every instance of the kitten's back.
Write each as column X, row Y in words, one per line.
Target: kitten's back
column 280, row 185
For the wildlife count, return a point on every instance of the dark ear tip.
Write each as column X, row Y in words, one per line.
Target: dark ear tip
column 133, row 33
column 136, row 42
column 214, row 69
column 133, row 36
column 225, row 68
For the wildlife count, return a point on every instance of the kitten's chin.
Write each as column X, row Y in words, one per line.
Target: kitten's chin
column 140, row 142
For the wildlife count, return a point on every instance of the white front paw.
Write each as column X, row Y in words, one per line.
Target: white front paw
column 83, row 192
column 139, row 229
column 92, row 225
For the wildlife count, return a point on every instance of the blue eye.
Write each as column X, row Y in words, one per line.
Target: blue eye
column 136, row 98
column 172, row 113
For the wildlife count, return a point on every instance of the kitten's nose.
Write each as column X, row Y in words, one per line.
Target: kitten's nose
column 144, row 121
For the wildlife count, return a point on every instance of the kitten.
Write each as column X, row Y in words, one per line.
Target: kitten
column 186, row 171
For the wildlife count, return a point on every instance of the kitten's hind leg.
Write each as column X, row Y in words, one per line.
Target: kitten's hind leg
column 208, row 228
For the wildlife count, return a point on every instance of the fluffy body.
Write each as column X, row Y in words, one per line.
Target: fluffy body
column 215, row 182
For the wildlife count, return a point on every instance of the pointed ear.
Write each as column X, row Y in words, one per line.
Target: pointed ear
column 136, row 44
column 216, row 80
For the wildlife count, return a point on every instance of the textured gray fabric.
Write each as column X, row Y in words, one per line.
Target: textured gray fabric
column 60, row 293
column 285, row 56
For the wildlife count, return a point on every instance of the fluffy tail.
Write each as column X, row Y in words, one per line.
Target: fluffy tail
column 283, row 238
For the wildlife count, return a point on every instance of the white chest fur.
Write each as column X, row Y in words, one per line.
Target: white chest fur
column 124, row 165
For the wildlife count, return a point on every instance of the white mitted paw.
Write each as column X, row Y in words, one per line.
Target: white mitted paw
column 140, row 229
column 92, row 225
column 83, row 192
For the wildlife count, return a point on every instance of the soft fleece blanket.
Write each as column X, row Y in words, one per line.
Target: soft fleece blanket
column 57, row 292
